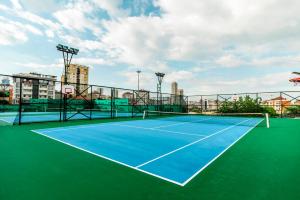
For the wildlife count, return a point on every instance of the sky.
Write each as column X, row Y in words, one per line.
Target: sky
column 207, row 46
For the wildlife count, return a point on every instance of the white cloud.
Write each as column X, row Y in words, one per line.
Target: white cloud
column 16, row 4
column 178, row 76
column 91, row 61
column 198, row 69
column 229, row 61
column 4, row 8
column 17, row 11
column 49, row 33
column 84, row 45
column 81, row 12
column 207, row 34
column 136, row 40
column 113, row 7
column 12, row 32
column 147, row 79
column 279, row 61
column 196, row 30
column 269, row 82
column 43, row 66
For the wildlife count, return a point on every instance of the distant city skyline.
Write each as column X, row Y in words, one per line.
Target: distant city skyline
column 205, row 52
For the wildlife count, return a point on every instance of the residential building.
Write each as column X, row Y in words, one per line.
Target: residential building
column 127, row 95
column 297, row 103
column 98, row 93
column 6, row 91
column 279, row 104
column 34, row 86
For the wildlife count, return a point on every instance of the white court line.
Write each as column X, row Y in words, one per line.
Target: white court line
column 190, row 144
column 200, row 170
column 104, row 157
column 155, row 129
column 175, row 124
column 1, row 119
column 71, row 127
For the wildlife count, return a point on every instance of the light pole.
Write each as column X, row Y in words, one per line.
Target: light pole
column 68, row 53
column 138, row 73
column 160, row 77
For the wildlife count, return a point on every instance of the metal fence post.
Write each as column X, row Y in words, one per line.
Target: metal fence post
column 60, row 102
column 91, row 102
column 133, row 102
column 187, row 104
column 111, row 102
column 257, row 103
column 201, row 104
column 281, row 105
column 20, row 101
column 217, row 102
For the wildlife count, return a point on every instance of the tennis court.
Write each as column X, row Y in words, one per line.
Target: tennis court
column 173, row 148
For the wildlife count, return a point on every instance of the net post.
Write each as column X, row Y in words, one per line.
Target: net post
column 267, row 120
column 144, row 114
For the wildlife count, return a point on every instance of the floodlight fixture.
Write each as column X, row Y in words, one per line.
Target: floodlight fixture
column 68, row 53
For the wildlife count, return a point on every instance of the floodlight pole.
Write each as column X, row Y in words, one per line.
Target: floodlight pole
column 138, row 74
column 68, row 53
column 160, row 77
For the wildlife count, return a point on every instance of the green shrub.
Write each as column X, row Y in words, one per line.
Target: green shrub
column 245, row 105
column 270, row 110
column 3, row 102
column 293, row 110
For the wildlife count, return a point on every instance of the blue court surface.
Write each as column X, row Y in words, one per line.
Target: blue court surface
column 27, row 117
column 173, row 148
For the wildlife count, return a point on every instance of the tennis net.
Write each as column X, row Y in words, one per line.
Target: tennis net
column 241, row 119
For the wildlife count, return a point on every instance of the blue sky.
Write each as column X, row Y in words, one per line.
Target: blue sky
column 208, row 46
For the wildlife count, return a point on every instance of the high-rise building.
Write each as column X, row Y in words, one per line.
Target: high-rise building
column 78, row 76
column 180, row 92
column 174, row 88
column 176, row 94
column 34, row 86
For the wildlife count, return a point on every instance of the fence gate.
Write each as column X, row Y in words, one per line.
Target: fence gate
column 140, row 103
column 78, row 104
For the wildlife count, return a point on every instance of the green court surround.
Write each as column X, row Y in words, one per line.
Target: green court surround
column 262, row 165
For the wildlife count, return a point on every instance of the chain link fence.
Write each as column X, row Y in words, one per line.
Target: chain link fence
column 33, row 99
column 281, row 104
